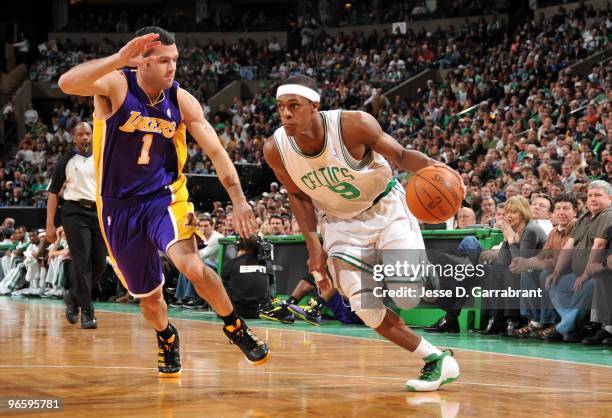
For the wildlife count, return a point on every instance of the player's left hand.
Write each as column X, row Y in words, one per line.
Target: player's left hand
column 244, row 220
column 322, row 281
column 463, row 187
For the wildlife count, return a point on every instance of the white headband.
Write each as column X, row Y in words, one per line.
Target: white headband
column 300, row 90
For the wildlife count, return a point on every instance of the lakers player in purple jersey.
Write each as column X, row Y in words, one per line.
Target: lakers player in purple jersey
column 141, row 116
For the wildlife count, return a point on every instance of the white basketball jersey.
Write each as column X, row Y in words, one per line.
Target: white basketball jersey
column 337, row 183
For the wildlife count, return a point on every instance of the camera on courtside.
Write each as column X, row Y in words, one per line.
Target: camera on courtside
column 263, row 249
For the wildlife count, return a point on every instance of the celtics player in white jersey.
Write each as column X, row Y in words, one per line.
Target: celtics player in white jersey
column 334, row 166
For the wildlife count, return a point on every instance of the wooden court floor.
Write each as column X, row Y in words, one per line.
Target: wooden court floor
column 111, row 372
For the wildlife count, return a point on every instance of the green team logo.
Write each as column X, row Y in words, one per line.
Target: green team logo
column 336, row 179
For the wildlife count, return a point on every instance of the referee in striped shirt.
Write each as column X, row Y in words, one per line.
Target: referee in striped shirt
column 74, row 182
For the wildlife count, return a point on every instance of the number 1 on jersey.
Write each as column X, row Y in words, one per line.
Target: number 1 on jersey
column 144, row 158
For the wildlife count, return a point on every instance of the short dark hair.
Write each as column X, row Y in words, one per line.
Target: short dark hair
column 567, row 197
column 302, row 80
column 165, row 37
column 275, row 216
column 248, row 245
column 551, row 207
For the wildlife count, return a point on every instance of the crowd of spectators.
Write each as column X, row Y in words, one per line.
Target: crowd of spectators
column 524, row 106
column 252, row 17
column 29, row 265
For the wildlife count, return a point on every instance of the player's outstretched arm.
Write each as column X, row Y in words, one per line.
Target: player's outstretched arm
column 365, row 128
column 206, row 137
column 96, row 77
column 304, row 211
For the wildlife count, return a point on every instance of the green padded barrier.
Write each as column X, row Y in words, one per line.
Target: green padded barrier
column 470, row 317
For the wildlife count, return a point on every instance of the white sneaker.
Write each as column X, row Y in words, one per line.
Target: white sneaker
column 438, row 370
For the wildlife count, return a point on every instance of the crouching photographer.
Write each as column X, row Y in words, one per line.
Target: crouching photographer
column 247, row 278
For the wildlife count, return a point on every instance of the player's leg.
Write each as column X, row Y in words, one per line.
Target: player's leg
column 401, row 242
column 304, row 286
column 205, row 281
column 175, row 234
column 357, row 284
column 155, row 311
column 310, row 313
column 135, row 259
column 207, row 284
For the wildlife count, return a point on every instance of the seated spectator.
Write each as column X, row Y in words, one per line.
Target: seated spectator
column 468, row 252
column 572, row 293
column 488, row 211
column 185, row 296
column 276, row 225
column 522, row 237
column 6, row 246
column 542, row 207
column 33, row 256
column 8, row 223
column 58, row 253
column 540, row 313
column 601, row 309
column 19, row 262
column 11, row 260
column 469, row 246
column 465, row 218
column 286, row 223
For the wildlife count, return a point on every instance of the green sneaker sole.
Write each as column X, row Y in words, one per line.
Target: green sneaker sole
column 450, row 380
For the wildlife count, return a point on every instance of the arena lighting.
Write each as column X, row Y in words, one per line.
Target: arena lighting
column 348, row 5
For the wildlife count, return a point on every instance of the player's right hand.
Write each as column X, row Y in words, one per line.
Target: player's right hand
column 132, row 53
column 244, row 220
column 317, row 265
column 324, row 283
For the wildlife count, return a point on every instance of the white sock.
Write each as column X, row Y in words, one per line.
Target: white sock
column 536, row 324
column 425, row 349
column 608, row 328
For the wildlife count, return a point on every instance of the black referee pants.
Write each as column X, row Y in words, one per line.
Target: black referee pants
column 87, row 251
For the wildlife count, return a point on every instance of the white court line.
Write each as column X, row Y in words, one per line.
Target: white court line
column 322, row 375
column 365, row 338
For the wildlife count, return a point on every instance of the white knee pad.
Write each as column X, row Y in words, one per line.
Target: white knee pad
column 372, row 317
column 405, row 295
column 358, row 288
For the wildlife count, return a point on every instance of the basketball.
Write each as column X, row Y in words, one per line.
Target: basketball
column 434, row 194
